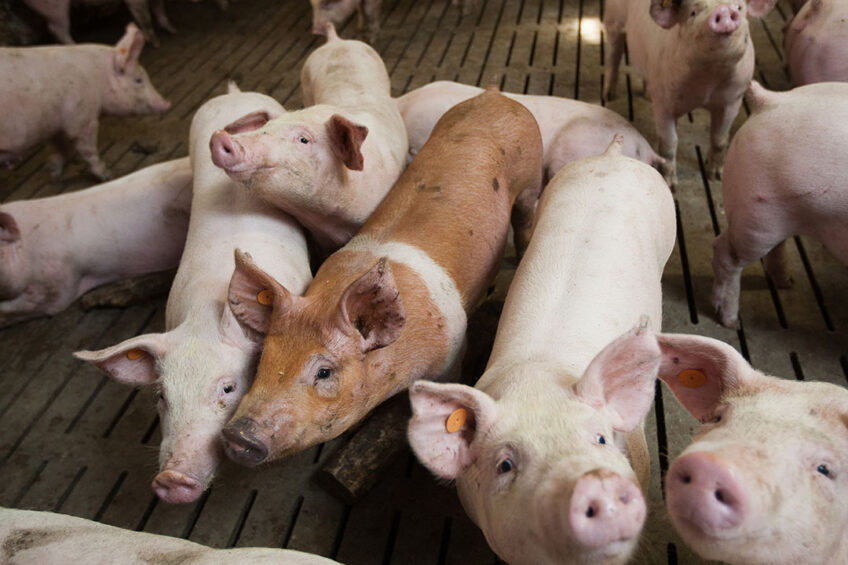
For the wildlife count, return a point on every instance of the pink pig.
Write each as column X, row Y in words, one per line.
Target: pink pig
column 774, row 189
column 764, row 481
column 58, row 94
column 693, row 54
column 337, row 12
column 53, row 250
column 816, row 42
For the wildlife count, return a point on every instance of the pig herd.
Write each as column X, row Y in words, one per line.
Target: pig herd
column 407, row 205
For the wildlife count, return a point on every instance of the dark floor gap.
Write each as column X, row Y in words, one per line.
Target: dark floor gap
column 843, row 362
column 796, row 366
column 445, row 542
column 88, row 402
column 808, row 267
column 467, row 49
column 684, row 261
column 556, row 45
column 707, row 191
column 520, row 12
column 319, row 449
column 63, row 498
column 195, row 514
column 337, row 540
column 579, row 46
column 771, row 39
column 533, row 48
column 662, row 436
column 526, row 88
column 630, row 114
column 671, row 552
column 148, row 512
column 447, row 48
column 25, row 489
column 150, row 430
column 743, row 341
column 110, row 496
column 239, row 525
column 390, row 543
column 775, row 299
column 298, row 504
column 120, row 413
column 491, row 42
column 509, row 51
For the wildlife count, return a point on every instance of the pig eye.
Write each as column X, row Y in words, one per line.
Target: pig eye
column 303, row 140
column 229, row 388
column 139, row 80
column 823, row 469
column 505, row 466
column 601, row 439
column 323, row 373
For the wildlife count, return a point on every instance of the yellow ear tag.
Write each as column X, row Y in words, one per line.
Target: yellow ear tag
column 123, row 50
column 456, row 420
column 134, row 354
column 692, row 378
column 265, row 297
column 665, row 3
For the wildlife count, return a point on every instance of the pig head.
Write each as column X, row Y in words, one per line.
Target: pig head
column 764, row 480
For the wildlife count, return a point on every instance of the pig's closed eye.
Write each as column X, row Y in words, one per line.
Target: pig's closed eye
column 505, row 466
column 139, row 80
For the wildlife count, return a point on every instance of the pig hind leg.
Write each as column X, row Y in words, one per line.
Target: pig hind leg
column 721, row 118
column 612, row 58
column 775, row 265
column 667, row 136
column 85, row 142
column 522, row 218
column 62, row 150
column 158, row 8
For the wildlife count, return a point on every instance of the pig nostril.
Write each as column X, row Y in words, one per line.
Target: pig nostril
column 686, row 479
column 719, row 495
column 590, row 512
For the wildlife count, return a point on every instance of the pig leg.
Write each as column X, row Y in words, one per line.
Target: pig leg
column 158, row 8
column 85, row 141
column 667, row 135
column 140, row 11
column 371, row 12
column 775, row 265
column 721, row 118
column 57, row 15
column 62, row 151
column 615, row 49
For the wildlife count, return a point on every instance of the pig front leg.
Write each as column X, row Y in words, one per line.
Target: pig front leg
column 62, row 151
column 57, row 15
column 667, row 135
column 369, row 19
column 612, row 58
column 85, row 142
column 721, row 118
column 158, row 8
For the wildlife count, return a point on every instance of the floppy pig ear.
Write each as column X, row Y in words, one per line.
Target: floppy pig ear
column 445, row 420
column 665, row 12
column 346, row 139
column 131, row 362
column 699, row 369
column 253, row 294
column 373, row 306
column 128, row 49
column 759, row 8
column 9, row 231
column 621, row 377
column 250, row 122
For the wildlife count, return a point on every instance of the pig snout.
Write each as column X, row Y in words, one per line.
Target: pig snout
column 177, row 487
column 241, row 443
column 726, row 19
column 703, row 491
column 605, row 508
column 227, row 153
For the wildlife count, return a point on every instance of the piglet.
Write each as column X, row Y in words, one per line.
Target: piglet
column 778, row 183
column 763, row 482
column 693, row 54
column 204, row 361
column 816, row 42
column 57, row 94
column 543, row 449
column 53, row 250
column 336, row 12
column 571, row 129
column 391, row 306
column 329, row 164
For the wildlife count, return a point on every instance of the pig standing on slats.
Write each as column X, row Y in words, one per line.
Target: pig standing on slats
column 816, row 42
column 204, row 362
column 330, row 164
column 58, row 94
column 336, row 12
column 390, row 307
column 785, row 176
column 693, row 54
column 571, row 129
column 53, row 250
column 765, row 481
column 543, row 449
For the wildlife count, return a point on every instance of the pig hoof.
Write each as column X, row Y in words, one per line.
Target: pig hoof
column 103, row 176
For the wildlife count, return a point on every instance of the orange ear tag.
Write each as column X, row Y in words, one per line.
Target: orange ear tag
column 123, row 50
column 456, row 420
column 692, row 378
column 265, row 297
column 134, row 354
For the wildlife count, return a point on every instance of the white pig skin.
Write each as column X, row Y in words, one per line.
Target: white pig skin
column 816, row 42
column 53, row 250
column 331, row 163
column 57, row 94
column 766, row 481
column 785, row 176
column 563, row 396
column 44, row 538
column 570, row 129
column 685, row 63
column 204, row 363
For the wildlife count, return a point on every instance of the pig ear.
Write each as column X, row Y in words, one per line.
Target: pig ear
column 665, row 12
column 131, row 362
column 372, row 306
column 254, row 294
column 346, row 140
column 9, row 231
column 698, row 370
column 128, row 49
column 250, row 122
column 759, row 8
column 621, row 378
column 445, row 420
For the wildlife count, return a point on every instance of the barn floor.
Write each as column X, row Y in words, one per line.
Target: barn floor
column 74, row 442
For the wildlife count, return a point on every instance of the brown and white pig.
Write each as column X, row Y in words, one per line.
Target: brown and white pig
column 571, row 129
column 391, row 306
column 204, row 361
column 778, row 183
column 53, row 250
column 816, row 42
column 765, row 480
column 693, row 54
column 45, row 538
column 330, row 164
column 336, row 12
column 543, row 449
column 57, row 94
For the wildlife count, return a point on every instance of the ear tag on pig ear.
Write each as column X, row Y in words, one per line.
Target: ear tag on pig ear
column 456, row 420
column 123, row 50
column 265, row 297
column 134, row 354
column 692, row 378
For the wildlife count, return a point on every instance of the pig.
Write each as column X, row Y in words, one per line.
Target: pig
column 336, row 12
column 693, row 54
column 30, row 537
column 329, row 164
column 816, row 42
column 763, row 481
column 544, row 459
column 53, row 250
column 391, row 306
column 58, row 93
column 779, row 183
column 204, row 361
column 571, row 129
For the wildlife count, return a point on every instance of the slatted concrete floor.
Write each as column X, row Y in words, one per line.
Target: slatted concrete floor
column 73, row 441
